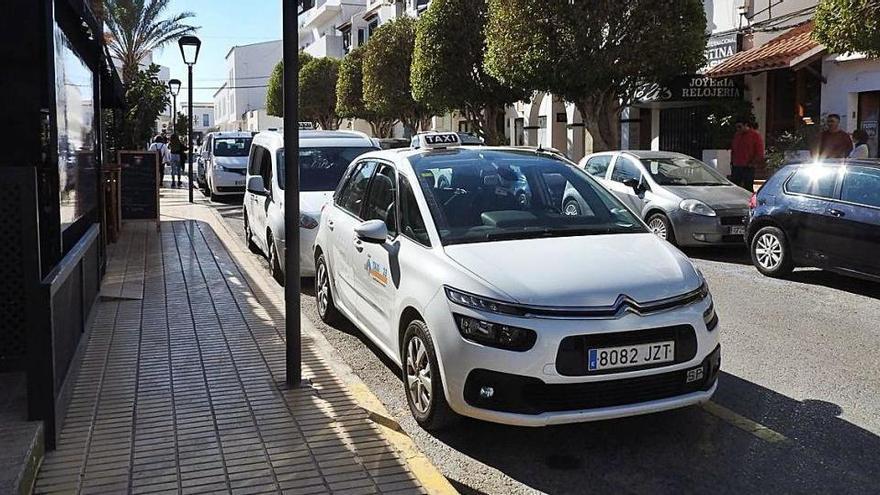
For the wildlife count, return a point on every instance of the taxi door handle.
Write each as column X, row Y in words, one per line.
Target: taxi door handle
column 330, row 224
column 835, row 212
column 358, row 244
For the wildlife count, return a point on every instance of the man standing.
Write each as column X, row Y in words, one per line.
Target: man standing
column 834, row 142
column 746, row 154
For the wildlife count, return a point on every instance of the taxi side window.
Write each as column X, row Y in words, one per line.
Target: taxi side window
column 412, row 224
column 380, row 202
column 598, row 165
column 351, row 197
column 625, row 169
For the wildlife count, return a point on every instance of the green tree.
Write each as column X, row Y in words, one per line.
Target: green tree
column 848, row 26
column 137, row 27
column 594, row 53
column 317, row 92
column 350, row 95
column 145, row 98
column 275, row 89
column 447, row 70
column 387, row 64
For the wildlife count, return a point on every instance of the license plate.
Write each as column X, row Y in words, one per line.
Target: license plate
column 738, row 230
column 628, row 356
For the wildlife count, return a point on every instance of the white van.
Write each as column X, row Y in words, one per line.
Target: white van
column 323, row 158
column 224, row 157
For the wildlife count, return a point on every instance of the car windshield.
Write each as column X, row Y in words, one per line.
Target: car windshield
column 488, row 195
column 232, row 146
column 683, row 171
column 321, row 169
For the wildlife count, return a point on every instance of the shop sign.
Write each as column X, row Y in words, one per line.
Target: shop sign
column 720, row 48
column 691, row 88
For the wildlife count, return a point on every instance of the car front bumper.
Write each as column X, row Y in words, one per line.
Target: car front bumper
column 224, row 182
column 699, row 230
column 533, row 388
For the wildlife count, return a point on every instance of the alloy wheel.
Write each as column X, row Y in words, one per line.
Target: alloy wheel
column 418, row 375
column 768, row 251
column 323, row 289
column 658, row 227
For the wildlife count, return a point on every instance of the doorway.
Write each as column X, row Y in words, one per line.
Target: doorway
column 683, row 130
column 869, row 115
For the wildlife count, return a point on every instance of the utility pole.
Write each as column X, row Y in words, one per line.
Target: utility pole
column 292, row 328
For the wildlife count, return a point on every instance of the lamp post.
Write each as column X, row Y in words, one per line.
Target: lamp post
column 174, row 88
column 189, row 50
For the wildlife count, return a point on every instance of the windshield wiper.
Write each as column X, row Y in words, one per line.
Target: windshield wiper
column 547, row 232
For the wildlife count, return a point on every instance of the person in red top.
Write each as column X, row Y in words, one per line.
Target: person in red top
column 746, row 154
column 834, row 142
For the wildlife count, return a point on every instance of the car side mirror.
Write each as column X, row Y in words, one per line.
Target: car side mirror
column 256, row 186
column 372, row 231
column 636, row 185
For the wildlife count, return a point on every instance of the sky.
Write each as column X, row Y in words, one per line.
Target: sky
column 223, row 24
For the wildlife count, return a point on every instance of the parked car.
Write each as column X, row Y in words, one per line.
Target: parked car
column 682, row 199
column 323, row 158
column 224, row 158
column 825, row 215
column 509, row 312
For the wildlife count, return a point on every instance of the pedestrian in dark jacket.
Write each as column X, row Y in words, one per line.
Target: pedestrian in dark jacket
column 176, row 161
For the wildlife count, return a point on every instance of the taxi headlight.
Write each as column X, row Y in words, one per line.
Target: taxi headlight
column 697, row 207
column 481, row 303
column 495, row 334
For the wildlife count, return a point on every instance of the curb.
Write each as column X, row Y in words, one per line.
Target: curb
column 431, row 479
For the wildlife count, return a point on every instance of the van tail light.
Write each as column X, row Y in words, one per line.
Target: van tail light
column 753, row 202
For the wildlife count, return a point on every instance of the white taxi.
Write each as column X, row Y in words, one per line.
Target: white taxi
column 507, row 310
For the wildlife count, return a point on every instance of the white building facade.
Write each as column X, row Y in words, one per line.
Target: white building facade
column 249, row 68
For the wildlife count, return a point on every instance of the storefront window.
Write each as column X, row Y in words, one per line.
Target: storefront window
column 75, row 120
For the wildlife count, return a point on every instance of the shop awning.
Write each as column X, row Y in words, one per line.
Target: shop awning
column 787, row 51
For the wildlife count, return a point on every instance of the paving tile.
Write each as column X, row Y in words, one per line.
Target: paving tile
column 177, row 390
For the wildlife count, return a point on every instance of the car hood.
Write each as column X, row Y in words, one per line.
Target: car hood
column 580, row 271
column 311, row 202
column 231, row 161
column 718, row 197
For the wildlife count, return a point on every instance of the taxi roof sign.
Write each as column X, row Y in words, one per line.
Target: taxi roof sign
column 437, row 140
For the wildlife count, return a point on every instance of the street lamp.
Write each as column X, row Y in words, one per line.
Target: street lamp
column 189, row 50
column 174, row 88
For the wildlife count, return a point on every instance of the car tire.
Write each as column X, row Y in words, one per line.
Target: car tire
column 770, row 252
column 275, row 267
column 420, row 371
column 661, row 227
column 324, row 294
column 571, row 208
column 249, row 236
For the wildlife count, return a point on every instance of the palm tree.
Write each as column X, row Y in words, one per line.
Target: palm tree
column 137, row 27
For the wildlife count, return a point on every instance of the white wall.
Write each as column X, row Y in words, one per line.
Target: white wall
column 845, row 80
column 722, row 15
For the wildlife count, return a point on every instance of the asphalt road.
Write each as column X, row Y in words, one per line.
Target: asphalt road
column 797, row 409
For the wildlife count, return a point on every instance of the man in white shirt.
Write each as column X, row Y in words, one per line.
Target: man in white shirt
column 160, row 145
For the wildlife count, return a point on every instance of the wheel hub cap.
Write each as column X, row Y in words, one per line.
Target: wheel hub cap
column 768, row 251
column 418, row 375
column 658, row 227
column 323, row 289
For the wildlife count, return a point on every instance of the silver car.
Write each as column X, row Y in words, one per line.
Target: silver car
column 682, row 199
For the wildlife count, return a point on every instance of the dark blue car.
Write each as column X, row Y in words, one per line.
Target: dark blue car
column 824, row 215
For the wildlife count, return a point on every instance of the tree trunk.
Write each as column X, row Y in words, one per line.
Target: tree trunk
column 490, row 130
column 602, row 120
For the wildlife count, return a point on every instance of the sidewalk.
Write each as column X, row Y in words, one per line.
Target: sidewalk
column 182, row 384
